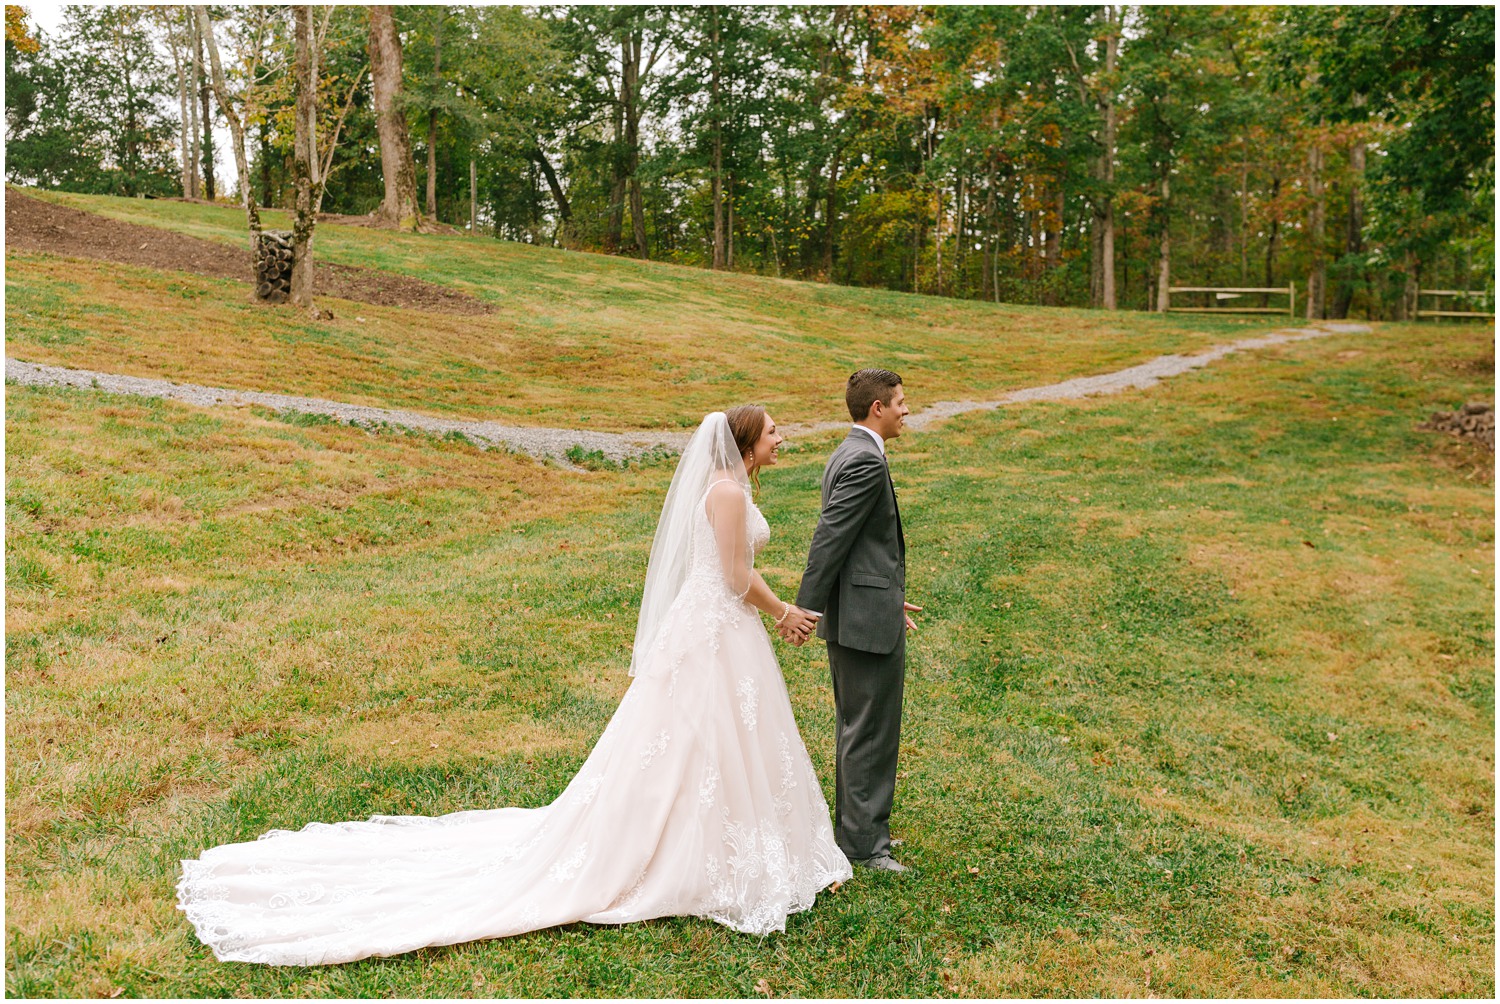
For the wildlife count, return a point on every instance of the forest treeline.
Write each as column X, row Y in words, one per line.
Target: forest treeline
column 1083, row 155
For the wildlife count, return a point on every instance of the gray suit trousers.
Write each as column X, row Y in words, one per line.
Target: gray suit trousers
column 867, row 693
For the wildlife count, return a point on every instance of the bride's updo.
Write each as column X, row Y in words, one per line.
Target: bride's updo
column 747, row 423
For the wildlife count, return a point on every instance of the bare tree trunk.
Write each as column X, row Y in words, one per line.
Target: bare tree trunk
column 830, row 214
column 195, row 86
column 1164, row 267
column 399, row 205
column 302, row 160
column 1244, row 211
column 1106, row 219
column 1317, row 279
column 186, row 145
column 473, row 197
column 615, row 223
column 564, row 209
column 960, row 221
column 729, row 221
column 1271, row 241
column 937, row 237
column 236, row 127
column 265, row 165
column 988, row 283
column 630, row 92
column 432, row 117
column 205, row 149
column 1354, row 233
column 1052, row 244
column 717, row 184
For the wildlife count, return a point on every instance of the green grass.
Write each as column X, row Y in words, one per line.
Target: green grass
column 1202, row 702
column 577, row 340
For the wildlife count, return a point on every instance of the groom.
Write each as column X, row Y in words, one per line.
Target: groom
column 856, row 575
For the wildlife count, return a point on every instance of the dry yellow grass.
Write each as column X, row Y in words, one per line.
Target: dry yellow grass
column 579, row 340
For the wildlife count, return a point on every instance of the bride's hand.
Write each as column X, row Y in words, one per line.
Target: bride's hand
column 797, row 625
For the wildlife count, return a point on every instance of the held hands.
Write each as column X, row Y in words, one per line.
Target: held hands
column 795, row 625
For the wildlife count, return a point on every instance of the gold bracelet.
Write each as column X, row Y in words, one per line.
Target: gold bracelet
column 786, row 610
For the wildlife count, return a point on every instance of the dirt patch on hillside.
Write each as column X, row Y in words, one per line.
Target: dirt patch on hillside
column 35, row 225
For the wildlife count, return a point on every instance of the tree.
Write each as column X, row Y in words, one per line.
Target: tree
column 304, row 158
column 399, row 206
column 18, row 31
column 85, row 113
column 226, row 105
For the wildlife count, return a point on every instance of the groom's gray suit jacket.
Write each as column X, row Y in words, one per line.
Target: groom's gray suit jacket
column 856, row 567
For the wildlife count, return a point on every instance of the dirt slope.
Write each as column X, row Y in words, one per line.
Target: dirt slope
column 35, row 225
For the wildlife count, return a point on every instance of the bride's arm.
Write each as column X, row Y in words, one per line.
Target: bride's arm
column 726, row 513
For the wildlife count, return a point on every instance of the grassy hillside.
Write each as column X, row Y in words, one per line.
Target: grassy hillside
column 578, row 340
column 1202, row 702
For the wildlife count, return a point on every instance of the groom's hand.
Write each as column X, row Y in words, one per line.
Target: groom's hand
column 911, row 608
column 798, row 624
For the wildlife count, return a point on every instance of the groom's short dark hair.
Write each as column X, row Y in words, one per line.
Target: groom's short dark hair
column 868, row 386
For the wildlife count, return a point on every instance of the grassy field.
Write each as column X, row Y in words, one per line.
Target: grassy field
column 1202, row 702
column 578, row 340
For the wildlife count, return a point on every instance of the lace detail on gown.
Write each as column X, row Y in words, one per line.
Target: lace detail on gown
column 702, row 762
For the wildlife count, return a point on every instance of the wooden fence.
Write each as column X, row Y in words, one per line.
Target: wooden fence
column 1222, row 293
column 1463, row 296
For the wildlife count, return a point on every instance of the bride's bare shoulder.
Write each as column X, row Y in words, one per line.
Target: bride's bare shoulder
column 725, row 498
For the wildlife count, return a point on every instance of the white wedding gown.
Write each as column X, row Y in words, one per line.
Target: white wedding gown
column 698, row 800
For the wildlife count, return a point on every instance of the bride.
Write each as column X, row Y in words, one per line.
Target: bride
column 698, row 800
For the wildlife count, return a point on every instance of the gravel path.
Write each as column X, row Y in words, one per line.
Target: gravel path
column 555, row 443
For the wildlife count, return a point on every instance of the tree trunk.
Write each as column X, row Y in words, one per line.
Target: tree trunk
column 960, row 221
column 1271, row 242
column 206, row 120
column 1106, row 219
column 1164, row 266
column 432, row 117
column 1244, row 211
column 937, row 237
column 1354, row 232
column 615, row 222
column 1317, row 279
column 717, row 184
column 564, row 210
column 473, row 197
column 302, row 160
column 830, row 214
column 399, row 206
column 989, row 287
column 265, row 165
column 1052, row 246
column 187, row 147
column 630, row 92
column 195, row 58
column 236, row 127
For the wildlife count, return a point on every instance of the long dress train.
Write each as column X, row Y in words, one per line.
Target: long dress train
column 698, row 800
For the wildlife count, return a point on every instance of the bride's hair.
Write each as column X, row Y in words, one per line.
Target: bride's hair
column 747, row 422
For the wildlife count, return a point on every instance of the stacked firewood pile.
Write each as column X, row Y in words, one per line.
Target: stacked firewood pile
column 1475, row 420
column 273, row 266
